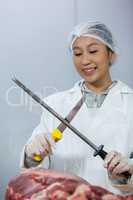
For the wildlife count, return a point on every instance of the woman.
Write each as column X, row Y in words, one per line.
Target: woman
column 105, row 117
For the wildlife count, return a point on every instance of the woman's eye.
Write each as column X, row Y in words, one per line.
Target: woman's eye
column 93, row 51
column 77, row 54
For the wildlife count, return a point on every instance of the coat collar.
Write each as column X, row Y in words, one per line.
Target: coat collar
column 120, row 87
column 114, row 97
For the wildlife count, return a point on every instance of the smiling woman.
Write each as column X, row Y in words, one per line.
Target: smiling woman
column 93, row 52
column 106, row 112
column 92, row 59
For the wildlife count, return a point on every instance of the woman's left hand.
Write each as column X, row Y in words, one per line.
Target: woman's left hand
column 116, row 163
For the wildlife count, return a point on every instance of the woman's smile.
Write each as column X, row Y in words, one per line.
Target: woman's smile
column 89, row 70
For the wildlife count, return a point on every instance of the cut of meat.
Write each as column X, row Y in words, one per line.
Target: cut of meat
column 42, row 184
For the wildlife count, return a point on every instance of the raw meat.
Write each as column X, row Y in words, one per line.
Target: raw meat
column 42, row 184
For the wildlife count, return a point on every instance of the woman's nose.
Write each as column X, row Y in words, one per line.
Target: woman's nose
column 85, row 59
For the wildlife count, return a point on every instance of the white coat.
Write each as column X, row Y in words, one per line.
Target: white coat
column 110, row 125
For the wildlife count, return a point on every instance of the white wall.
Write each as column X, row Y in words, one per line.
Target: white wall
column 33, row 42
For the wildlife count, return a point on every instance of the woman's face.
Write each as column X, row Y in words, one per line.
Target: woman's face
column 92, row 59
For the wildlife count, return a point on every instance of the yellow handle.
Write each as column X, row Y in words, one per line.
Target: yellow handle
column 56, row 135
column 37, row 157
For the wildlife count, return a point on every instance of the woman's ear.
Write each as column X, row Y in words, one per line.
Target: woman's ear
column 112, row 57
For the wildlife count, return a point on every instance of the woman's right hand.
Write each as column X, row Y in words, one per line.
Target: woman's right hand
column 39, row 145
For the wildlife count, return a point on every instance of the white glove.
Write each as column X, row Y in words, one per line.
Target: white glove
column 117, row 164
column 40, row 144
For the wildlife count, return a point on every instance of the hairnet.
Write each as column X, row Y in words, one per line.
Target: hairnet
column 95, row 30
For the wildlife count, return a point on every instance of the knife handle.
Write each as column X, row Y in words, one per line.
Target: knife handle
column 100, row 152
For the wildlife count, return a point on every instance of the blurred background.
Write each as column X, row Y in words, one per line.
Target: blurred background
column 33, row 47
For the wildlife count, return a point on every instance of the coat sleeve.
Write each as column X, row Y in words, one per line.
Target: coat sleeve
column 128, row 188
column 130, row 133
